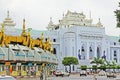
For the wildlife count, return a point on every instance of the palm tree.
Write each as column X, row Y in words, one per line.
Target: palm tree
column 113, row 65
column 98, row 62
column 107, row 64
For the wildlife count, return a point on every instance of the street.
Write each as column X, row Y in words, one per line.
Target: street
column 75, row 77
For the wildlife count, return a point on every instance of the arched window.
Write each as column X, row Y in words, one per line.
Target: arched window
column 73, row 68
column 90, row 49
column 54, row 51
column 82, row 49
column 114, row 51
column 114, row 43
column 98, row 52
column 115, row 57
column 115, row 54
column 54, row 40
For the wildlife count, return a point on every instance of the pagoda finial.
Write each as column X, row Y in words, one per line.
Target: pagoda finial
column 90, row 14
column 23, row 31
column 8, row 14
column 50, row 19
column 99, row 20
column 68, row 11
column 63, row 14
column 99, row 23
column 24, row 24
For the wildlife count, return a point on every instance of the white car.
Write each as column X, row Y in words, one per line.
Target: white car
column 83, row 73
column 111, row 74
column 62, row 73
column 102, row 73
column 66, row 74
column 59, row 73
column 4, row 77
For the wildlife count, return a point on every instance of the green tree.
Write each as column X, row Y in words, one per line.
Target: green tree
column 107, row 64
column 83, row 67
column 117, row 14
column 97, row 62
column 113, row 66
column 102, row 67
column 68, row 61
column 118, row 66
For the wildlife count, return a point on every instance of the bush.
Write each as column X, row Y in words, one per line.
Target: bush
column 119, row 40
column 94, row 67
column 83, row 67
column 102, row 67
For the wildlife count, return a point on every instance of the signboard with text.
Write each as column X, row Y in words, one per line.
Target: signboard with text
column 7, row 63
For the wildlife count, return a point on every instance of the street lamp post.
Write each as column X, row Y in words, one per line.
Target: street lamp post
column 8, row 66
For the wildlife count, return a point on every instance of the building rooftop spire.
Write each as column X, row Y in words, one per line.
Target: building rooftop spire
column 50, row 25
column 7, row 14
column 24, row 26
column 50, row 19
column 8, row 21
column 99, row 24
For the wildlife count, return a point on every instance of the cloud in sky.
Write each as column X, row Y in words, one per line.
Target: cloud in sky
column 38, row 12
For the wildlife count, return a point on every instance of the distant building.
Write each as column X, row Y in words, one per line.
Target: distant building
column 77, row 36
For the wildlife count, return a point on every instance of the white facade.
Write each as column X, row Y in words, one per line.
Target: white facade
column 77, row 36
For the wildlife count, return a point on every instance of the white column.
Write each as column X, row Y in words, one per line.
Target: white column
column 107, row 54
column 112, row 52
column 87, row 54
column 118, row 56
column 95, row 50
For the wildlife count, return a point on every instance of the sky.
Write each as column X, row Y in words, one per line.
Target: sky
column 38, row 12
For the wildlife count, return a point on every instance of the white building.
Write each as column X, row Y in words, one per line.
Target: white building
column 77, row 36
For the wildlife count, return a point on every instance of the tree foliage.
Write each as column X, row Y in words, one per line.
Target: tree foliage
column 97, row 61
column 113, row 65
column 67, row 61
column 83, row 67
column 117, row 14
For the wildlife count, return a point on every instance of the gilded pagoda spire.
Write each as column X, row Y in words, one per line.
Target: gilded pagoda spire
column 2, row 27
column 23, row 31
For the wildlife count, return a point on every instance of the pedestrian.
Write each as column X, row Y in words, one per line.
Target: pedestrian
column 27, row 72
column 41, row 76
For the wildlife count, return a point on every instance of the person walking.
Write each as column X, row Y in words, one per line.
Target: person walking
column 41, row 76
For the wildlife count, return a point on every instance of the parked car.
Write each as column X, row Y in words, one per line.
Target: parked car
column 4, row 77
column 61, row 73
column 66, row 73
column 83, row 73
column 111, row 74
column 102, row 73
column 58, row 73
